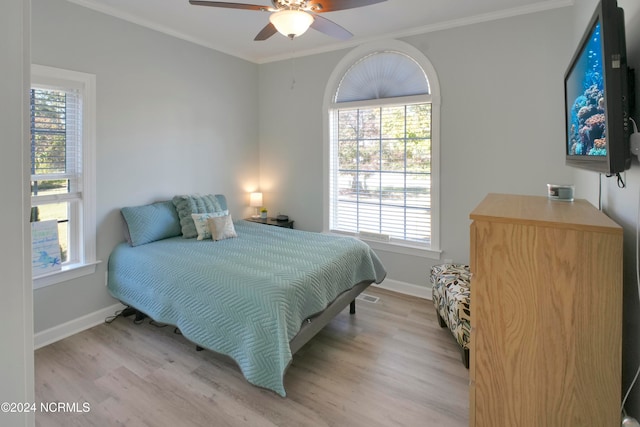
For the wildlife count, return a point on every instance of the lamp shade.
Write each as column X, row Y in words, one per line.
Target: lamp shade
column 255, row 200
column 291, row 23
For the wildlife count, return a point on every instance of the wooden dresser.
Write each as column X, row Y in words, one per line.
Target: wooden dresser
column 546, row 314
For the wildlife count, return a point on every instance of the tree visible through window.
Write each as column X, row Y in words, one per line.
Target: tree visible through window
column 55, row 131
column 383, row 171
column 382, row 157
column 63, row 164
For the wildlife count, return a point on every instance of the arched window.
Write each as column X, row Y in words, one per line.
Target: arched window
column 383, row 106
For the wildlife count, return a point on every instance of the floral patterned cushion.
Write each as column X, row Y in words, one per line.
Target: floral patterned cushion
column 451, row 294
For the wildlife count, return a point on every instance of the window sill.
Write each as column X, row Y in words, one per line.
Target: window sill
column 397, row 248
column 68, row 272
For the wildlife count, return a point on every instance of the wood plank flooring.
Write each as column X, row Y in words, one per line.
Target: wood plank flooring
column 390, row 364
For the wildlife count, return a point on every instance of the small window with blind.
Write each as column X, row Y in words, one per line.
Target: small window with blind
column 62, row 162
column 383, row 167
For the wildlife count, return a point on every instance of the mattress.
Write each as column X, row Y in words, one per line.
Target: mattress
column 244, row 297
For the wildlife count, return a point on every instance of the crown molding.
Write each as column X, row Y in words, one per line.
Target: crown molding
column 486, row 17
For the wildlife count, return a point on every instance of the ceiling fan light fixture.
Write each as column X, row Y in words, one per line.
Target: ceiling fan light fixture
column 290, row 22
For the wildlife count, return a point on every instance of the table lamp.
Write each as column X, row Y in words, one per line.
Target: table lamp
column 255, row 201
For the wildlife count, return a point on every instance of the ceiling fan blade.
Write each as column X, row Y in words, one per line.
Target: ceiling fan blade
column 266, row 32
column 320, row 6
column 330, row 28
column 228, row 5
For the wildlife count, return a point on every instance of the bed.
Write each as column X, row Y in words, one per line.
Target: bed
column 257, row 297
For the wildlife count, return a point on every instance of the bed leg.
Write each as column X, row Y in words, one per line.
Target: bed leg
column 128, row 312
column 352, row 307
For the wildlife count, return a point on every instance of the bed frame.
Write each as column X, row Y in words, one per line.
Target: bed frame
column 314, row 324
column 310, row 327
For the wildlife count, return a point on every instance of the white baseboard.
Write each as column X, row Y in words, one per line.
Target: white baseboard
column 405, row 288
column 74, row 326
column 49, row 336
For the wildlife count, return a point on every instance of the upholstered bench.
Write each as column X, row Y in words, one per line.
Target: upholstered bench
column 451, row 293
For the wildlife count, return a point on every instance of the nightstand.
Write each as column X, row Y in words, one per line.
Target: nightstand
column 272, row 221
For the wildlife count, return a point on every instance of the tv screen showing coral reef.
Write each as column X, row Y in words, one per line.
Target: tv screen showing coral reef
column 586, row 101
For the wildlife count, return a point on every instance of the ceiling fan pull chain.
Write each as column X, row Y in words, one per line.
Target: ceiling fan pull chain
column 293, row 72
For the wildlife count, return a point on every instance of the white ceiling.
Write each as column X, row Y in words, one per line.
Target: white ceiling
column 232, row 30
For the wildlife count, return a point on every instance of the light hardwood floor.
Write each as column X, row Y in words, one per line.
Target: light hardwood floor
column 390, row 364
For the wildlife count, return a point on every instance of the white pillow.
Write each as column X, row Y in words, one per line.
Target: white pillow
column 221, row 227
column 200, row 220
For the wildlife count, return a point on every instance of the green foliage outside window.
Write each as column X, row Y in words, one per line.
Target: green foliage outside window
column 383, row 142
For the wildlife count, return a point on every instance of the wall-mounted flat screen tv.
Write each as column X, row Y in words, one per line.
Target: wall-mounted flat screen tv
column 597, row 96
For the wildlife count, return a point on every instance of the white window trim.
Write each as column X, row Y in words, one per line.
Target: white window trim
column 87, row 262
column 397, row 247
column 434, row 251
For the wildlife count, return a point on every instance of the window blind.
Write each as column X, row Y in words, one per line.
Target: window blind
column 55, row 144
column 382, row 75
column 380, row 171
column 56, row 164
column 63, row 117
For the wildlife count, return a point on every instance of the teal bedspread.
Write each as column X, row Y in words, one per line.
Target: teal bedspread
column 245, row 297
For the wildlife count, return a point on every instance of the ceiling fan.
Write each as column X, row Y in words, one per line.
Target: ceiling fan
column 293, row 17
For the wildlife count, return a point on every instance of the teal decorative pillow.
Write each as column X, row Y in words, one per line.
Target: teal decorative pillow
column 200, row 220
column 222, row 201
column 149, row 223
column 193, row 204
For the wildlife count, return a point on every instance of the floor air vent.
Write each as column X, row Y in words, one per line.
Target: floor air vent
column 368, row 298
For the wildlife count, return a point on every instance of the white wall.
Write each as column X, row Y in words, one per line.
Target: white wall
column 172, row 118
column 501, row 130
column 620, row 204
column 16, row 323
